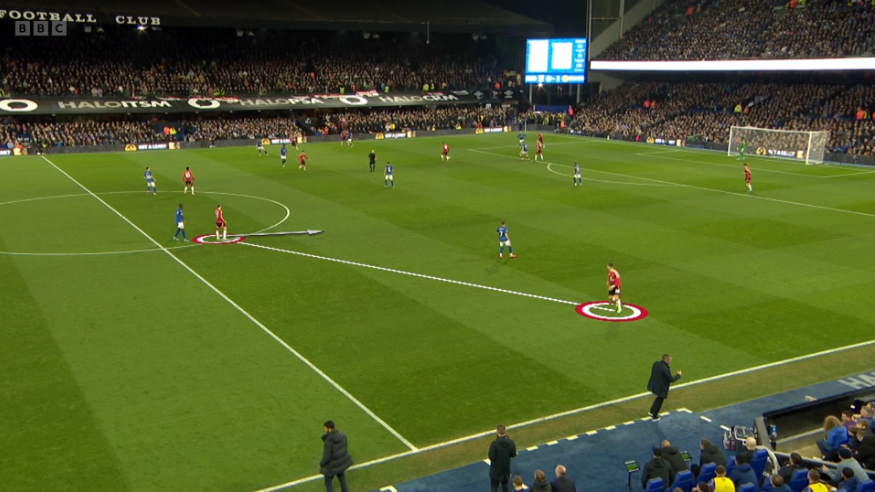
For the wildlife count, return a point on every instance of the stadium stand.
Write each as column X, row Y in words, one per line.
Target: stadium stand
column 125, row 62
column 748, row 29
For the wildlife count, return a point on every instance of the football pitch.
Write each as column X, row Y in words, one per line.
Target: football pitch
column 136, row 363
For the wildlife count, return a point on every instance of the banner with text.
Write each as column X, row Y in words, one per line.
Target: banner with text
column 369, row 99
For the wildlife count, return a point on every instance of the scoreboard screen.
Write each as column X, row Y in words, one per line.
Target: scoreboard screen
column 556, row 61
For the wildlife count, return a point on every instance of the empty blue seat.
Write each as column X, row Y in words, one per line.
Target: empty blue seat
column 730, row 465
column 799, row 480
column 707, row 473
column 747, row 487
column 683, row 481
column 758, row 463
column 868, row 486
column 655, row 485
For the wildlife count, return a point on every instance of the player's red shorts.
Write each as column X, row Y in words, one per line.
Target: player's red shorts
column 220, row 223
column 188, row 182
column 445, row 152
column 747, row 179
column 538, row 152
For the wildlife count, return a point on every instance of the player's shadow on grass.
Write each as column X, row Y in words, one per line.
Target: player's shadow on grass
column 495, row 267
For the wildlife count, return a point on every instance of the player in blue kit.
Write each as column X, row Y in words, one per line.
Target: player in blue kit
column 349, row 139
column 150, row 181
column 388, row 175
column 180, row 225
column 522, row 137
column 260, row 147
column 524, row 152
column 283, row 155
column 503, row 241
column 577, row 180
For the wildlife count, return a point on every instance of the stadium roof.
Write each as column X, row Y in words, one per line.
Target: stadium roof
column 399, row 15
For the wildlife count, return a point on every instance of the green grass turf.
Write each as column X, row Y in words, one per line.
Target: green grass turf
column 127, row 372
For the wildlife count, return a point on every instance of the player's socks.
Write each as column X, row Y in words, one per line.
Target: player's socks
column 385, row 183
column 217, row 235
column 225, row 235
column 192, row 190
column 500, row 251
column 510, row 250
column 619, row 305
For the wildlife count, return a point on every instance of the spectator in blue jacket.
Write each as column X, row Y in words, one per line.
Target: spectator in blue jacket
column 743, row 473
column 834, row 435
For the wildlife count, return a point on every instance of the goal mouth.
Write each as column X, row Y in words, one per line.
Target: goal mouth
column 804, row 146
column 210, row 239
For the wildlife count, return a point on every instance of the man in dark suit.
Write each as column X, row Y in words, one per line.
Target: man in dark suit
column 562, row 483
column 501, row 451
column 660, row 380
column 674, row 457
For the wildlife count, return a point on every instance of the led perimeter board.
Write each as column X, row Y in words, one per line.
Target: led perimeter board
column 556, row 61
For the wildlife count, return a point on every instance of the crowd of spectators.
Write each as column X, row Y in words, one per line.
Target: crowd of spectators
column 742, row 29
column 86, row 132
column 185, row 62
column 707, row 111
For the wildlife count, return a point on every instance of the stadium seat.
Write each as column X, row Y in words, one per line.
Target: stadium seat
column 683, row 481
column 747, row 487
column 758, row 463
column 799, row 480
column 868, row 486
column 707, row 473
column 730, row 465
column 655, row 485
column 767, row 485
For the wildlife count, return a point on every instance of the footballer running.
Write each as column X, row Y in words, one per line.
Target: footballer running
column 445, row 151
column 302, row 161
column 747, row 179
column 180, row 224
column 614, row 287
column 283, row 155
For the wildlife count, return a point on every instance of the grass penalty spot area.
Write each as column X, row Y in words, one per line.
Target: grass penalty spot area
column 207, row 239
column 604, row 311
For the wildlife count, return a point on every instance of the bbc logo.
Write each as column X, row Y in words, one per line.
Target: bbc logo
column 40, row 28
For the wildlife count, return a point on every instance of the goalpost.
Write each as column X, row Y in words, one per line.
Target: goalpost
column 797, row 145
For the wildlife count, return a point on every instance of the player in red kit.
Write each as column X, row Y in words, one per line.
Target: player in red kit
column 445, row 151
column 293, row 140
column 220, row 223
column 541, row 140
column 342, row 137
column 188, row 180
column 302, row 161
column 747, row 179
column 538, row 149
column 614, row 286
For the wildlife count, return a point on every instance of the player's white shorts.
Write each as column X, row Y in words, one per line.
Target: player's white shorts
column 283, row 158
column 259, row 147
column 180, row 225
column 150, row 184
column 390, row 177
column 521, row 141
column 577, row 175
column 348, row 140
column 504, row 243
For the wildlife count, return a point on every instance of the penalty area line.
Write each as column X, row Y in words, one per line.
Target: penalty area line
column 242, row 311
column 412, row 274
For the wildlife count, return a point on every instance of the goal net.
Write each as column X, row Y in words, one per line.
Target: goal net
column 796, row 145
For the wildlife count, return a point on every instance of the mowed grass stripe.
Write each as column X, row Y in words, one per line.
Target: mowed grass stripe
column 52, row 439
column 162, row 348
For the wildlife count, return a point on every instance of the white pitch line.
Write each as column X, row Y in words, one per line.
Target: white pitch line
column 245, row 313
column 598, row 180
column 552, row 443
column 576, row 411
column 402, row 272
column 571, row 438
column 532, row 448
column 747, row 195
column 584, row 140
column 706, row 419
column 725, row 428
